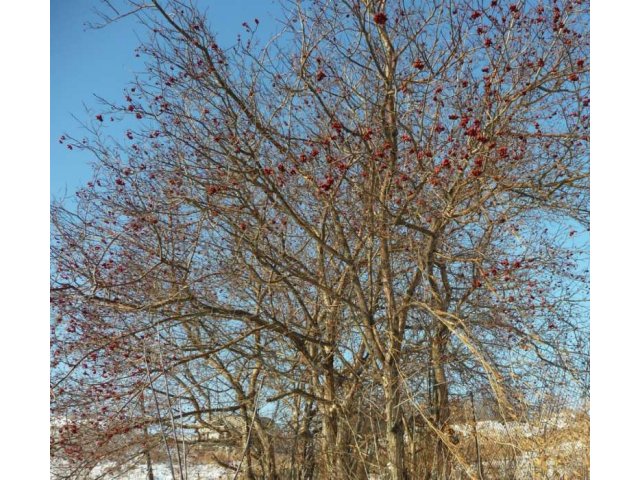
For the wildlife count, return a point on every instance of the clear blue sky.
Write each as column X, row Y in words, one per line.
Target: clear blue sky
column 87, row 62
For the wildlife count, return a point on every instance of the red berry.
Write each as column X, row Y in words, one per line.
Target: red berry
column 380, row 18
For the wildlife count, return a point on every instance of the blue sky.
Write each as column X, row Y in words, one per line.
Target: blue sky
column 87, row 62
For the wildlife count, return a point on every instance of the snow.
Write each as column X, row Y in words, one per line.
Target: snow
column 160, row 472
column 194, row 472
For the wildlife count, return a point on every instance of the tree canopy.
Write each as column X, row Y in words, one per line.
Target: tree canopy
column 337, row 234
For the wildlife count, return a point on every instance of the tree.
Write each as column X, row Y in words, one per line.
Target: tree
column 381, row 209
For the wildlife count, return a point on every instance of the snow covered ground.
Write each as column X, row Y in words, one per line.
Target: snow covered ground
column 194, row 472
column 108, row 471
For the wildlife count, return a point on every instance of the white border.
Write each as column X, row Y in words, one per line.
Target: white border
column 24, row 196
column 24, row 199
column 615, row 241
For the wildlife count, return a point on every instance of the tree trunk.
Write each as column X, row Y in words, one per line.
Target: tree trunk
column 268, row 454
column 441, row 403
column 393, row 421
column 329, row 438
column 304, row 464
column 149, row 464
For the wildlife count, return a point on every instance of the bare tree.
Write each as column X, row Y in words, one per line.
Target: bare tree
column 379, row 211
